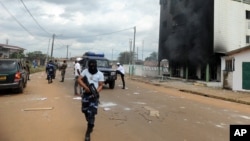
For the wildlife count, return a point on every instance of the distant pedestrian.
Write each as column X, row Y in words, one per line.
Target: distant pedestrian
column 63, row 70
column 27, row 67
column 56, row 64
column 77, row 70
column 120, row 70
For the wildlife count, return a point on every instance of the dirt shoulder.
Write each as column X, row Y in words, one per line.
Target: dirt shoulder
column 42, row 112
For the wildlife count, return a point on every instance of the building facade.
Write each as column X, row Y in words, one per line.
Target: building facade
column 7, row 50
column 194, row 36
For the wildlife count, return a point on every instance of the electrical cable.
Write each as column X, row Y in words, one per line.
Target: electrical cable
column 110, row 32
column 16, row 19
column 33, row 17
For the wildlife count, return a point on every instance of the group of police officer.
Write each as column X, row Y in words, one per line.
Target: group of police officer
column 53, row 66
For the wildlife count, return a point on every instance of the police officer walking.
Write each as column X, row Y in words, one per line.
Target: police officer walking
column 63, row 70
column 90, row 104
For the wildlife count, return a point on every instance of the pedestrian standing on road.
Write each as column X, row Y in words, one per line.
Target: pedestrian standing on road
column 63, row 70
column 56, row 64
column 77, row 70
column 120, row 70
column 27, row 67
column 90, row 104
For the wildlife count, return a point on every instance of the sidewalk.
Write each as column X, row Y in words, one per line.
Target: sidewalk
column 194, row 88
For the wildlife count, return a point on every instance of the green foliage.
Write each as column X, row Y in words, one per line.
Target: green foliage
column 38, row 69
column 36, row 55
column 125, row 57
column 153, row 57
column 18, row 55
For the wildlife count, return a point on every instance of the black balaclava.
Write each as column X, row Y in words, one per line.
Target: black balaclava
column 92, row 64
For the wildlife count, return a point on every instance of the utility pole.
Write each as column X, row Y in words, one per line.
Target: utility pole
column 137, row 54
column 47, row 53
column 133, row 56
column 67, row 52
column 52, row 47
column 142, row 50
column 112, row 55
column 130, row 51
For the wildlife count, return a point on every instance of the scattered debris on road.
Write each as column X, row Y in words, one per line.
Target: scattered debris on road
column 38, row 109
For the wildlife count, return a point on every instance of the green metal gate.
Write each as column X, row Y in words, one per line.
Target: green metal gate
column 246, row 75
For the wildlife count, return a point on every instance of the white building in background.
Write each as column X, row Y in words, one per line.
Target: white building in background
column 207, row 40
column 232, row 31
column 6, row 50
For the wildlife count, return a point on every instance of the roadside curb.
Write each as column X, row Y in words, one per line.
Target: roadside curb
column 217, row 97
column 231, row 99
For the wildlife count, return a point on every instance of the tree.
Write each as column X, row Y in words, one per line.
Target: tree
column 125, row 57
column 18, row 55
column 153, row 57
column 36, row 55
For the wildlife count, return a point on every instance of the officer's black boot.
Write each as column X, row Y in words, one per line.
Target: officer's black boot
column 88, row 132
column 62, row 80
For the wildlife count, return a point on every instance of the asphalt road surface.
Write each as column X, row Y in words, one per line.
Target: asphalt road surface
column 141, row 112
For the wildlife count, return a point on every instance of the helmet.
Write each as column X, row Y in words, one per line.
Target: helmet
column 78, row 59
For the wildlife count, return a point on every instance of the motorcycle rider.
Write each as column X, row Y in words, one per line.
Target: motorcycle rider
column 50, row 70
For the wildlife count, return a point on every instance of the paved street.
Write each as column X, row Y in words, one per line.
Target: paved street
column 141, row 112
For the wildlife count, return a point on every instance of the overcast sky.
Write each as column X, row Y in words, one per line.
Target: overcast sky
column 102, row 26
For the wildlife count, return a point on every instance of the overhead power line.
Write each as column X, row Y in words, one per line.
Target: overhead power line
column 6, row 9
column 34, row 18
column 110, row 32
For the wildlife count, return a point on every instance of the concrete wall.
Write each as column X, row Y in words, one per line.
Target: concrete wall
column 141, row 70
column 235, row 77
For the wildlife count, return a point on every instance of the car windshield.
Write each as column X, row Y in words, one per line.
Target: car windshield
column 102, row 63
column 7, row 65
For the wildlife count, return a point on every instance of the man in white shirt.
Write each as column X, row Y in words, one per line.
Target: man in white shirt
column 90, row 104
column 77, row 70
column 120, row 70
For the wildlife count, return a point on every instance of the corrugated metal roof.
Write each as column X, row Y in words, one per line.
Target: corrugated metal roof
column 238, row 50
column 11, row 47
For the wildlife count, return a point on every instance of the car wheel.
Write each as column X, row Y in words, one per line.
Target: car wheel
column 20, row 89
column 25, row 83
column 112, row 84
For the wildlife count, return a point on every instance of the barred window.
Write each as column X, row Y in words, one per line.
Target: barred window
column 229, row 65
column 248, row 39
column 243, row 1
column 248, row 15
column 246, row 1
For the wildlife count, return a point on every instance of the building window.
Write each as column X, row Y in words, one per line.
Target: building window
column 246, row 1
column 229, row 65
column 248, row 39
column 243, row 1
column 248, row 15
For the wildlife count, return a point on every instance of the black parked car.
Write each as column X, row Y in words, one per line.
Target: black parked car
column 13, row 75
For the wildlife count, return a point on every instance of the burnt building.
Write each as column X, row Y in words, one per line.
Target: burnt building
column 195, row 34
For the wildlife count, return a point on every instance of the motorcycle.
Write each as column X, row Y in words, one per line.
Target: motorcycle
column 50, row 73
